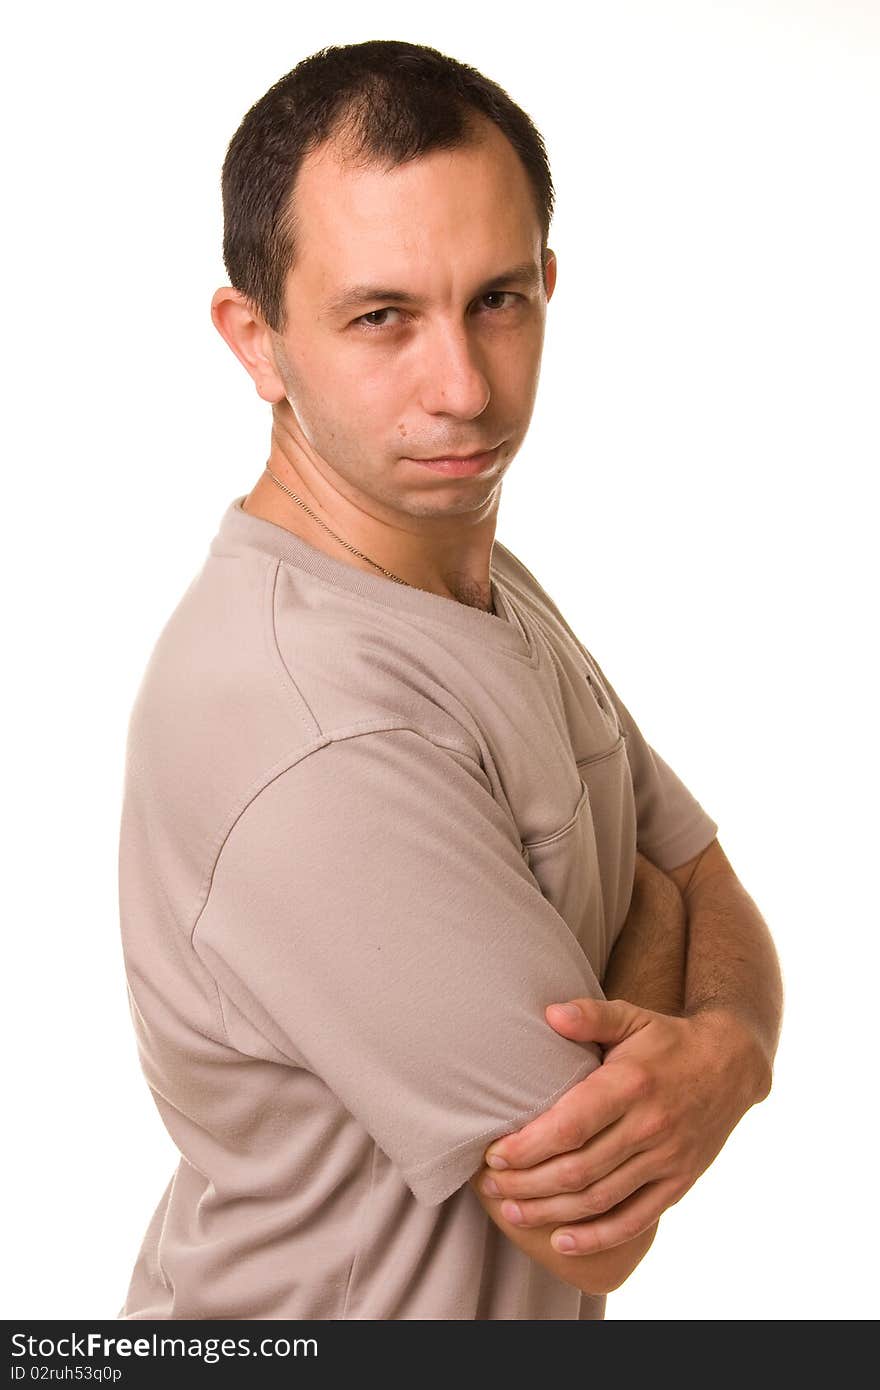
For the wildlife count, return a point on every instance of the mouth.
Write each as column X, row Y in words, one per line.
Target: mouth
column 459, row 465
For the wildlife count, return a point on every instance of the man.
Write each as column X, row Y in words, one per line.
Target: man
column 382, row 808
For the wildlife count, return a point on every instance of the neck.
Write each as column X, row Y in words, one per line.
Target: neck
column 445, row 555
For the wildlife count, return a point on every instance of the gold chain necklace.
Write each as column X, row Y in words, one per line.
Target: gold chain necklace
column 352, row 548
column 354, row 551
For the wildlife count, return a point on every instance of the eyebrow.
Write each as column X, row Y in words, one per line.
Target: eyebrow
column 526, row 274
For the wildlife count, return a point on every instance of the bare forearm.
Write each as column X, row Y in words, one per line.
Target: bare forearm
column 647, row 964
column 732, row 963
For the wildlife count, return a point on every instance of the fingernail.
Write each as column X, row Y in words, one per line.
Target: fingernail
column 490, row 1188
column 571, row 1010
column 496, row 1161
column 511, row 1211
column 562, row 1242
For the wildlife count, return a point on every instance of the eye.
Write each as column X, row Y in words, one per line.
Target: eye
column 364, row 320
column 499, row 294
column 368, row 321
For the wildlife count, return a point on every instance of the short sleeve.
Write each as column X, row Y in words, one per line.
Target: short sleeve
column 372, row 914
column 672, row 826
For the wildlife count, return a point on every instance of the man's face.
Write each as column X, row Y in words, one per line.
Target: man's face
column 374, row 383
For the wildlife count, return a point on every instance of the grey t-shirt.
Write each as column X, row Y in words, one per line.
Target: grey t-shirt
column 368, row 833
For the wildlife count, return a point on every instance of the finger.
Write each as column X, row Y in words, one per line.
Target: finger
column 585, row 1110
column 626, row 1221
column 569, row 1172
column 594, row 1200
column 605, row 1021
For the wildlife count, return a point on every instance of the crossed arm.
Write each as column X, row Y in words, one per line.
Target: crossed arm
column 688, row 1053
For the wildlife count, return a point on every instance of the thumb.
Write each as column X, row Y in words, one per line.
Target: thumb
column 596, row 1020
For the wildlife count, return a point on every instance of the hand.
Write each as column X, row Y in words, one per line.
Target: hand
column 635, row 1135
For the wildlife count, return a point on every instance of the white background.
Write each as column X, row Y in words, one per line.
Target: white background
column 694, row 492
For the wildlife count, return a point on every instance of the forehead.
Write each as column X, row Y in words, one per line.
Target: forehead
column 461, row 209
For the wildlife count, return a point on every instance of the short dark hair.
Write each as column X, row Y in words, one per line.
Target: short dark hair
column 389, row 101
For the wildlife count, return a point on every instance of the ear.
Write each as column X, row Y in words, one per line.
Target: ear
column 250, row 339
column 550, row 272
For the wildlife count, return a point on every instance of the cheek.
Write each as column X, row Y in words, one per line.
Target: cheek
column 514, row 380
column 349, row 419
column 354, row 381
column 374, row 397
column 332, row 398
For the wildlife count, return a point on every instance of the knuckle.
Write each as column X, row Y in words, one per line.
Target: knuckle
column 639, row 1082
column 595, row 1201
column 655, row 1124
column 571, row 1177
column 567, row 1131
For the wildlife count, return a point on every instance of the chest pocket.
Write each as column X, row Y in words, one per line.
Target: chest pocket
column 581, row 867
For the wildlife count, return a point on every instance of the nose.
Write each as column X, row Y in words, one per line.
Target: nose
column 454, row 382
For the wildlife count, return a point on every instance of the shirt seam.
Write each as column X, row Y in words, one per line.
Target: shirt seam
column 288, row 761
column 272, row 642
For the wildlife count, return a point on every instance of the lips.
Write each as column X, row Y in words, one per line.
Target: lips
column 454, row 458
column 460, row 467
